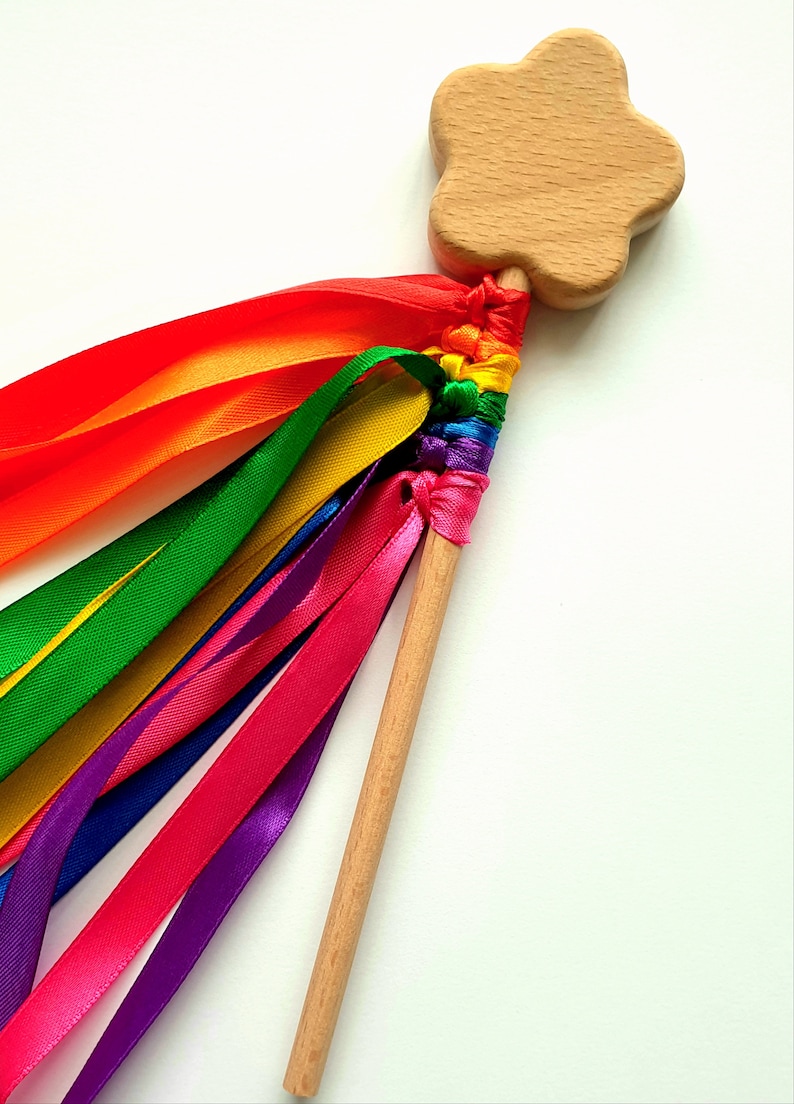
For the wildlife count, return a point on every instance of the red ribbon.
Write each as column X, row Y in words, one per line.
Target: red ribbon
column 79, row 432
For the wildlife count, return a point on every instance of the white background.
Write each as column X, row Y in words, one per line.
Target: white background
column 586, row 891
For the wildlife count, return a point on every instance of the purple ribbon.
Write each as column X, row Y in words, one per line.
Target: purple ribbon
column 201, row 912
column 25, row 908
column 24, row 913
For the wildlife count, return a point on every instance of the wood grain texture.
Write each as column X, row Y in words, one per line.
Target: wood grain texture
column 546, row 164
column 373, row 815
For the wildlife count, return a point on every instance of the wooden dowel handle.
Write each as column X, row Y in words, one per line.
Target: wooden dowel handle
column 373, row 814
column 513, row 277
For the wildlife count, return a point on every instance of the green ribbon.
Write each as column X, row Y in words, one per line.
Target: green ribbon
column 199, row 533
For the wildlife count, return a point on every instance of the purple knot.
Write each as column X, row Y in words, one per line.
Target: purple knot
column 464, row 454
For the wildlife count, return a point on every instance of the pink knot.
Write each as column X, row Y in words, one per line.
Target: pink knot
column 448, row 502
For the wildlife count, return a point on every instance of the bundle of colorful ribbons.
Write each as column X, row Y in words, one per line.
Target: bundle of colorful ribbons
column 117, row 676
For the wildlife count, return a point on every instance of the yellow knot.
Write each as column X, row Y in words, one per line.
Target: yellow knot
column 469, row 353
column 494, row 374
column 452, row 364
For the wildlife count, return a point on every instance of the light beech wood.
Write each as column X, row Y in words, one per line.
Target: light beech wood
column 546, row 164
column 373, row 814
column 514, row 278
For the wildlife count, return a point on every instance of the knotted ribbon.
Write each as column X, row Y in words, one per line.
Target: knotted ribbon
column 352, row 440
column 233, row 784
column 75, row 434
column 249, row 626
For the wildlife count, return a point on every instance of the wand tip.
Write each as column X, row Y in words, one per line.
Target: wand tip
column 547, row 165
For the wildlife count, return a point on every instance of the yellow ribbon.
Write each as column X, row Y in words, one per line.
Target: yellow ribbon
column 384, row 413
column 87, row 611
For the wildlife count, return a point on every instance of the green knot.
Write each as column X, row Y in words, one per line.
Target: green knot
column 456, row 399
column 491, row 408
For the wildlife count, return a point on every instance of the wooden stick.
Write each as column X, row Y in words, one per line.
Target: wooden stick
column 376, row 802
column 373, row 814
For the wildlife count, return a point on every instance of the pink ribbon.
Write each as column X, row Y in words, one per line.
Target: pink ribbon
column 357, row 583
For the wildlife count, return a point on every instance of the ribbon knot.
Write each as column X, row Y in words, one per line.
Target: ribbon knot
column 482, row 350
column 485, row 347
column 475, row 301
column 431, row 453
column 474, row 344
column 502, row 312
column 448, row 501
column 436, row 453
column 456, row 399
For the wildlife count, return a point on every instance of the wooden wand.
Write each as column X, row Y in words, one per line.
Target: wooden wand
column 547, row 172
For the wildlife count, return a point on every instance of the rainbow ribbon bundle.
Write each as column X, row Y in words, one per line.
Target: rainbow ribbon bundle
column 117, row 676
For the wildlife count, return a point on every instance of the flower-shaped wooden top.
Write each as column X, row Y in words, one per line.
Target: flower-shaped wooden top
column 547, row 165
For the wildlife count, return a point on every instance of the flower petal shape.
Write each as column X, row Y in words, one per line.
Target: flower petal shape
column 546, row 164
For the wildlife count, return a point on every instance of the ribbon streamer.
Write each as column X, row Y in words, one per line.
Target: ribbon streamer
column 200, row 914
column 23, row 916
column 213, row 620
column 76, row 434
column 207, row 817
column 16, row 845
column 164, row 585
column 341, row 450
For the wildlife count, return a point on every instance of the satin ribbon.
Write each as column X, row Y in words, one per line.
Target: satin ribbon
column 349, row 442
column 90, row 608
column 23, row 916
column 29, row 625
column 200, row 914
column 142, row 793
column 115, row 815
column 130, row 619
column 202, row 910
column 213, row 674
column 77, row 433
column 231, row 786
column 502, row 311
column 454, row 456
column 117, row 811
column 435, row 500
